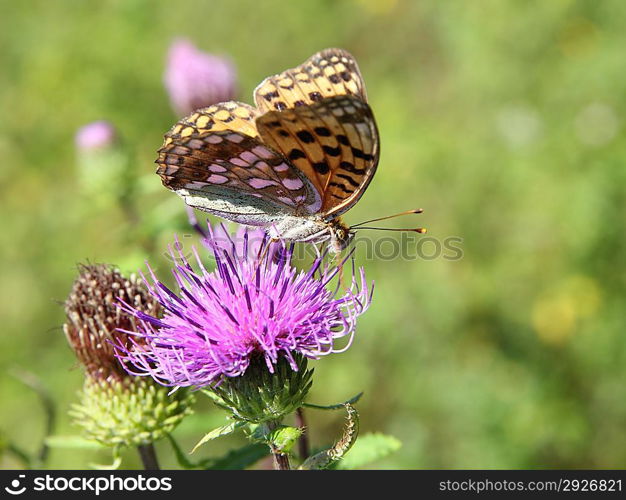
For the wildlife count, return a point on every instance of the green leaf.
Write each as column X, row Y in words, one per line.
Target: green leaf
column 337, row 406
column 241, row 458
column 73, row 442
column 284, row 438
column 213, row 396
column 280, row 437
column 219, row 432
column 180, row 456
column 234, row 460
column 369, row 448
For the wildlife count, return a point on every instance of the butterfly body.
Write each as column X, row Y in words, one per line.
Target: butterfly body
column 293, row 164
column 307, row 228
column 313, row 230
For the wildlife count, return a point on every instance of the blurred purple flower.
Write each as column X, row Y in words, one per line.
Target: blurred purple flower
column 195, row 79
column 95, row 135
column 255, row 305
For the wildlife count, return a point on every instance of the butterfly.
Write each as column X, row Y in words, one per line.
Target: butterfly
column 293, row 164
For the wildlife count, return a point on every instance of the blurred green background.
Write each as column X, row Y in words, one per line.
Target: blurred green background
column 503, row 120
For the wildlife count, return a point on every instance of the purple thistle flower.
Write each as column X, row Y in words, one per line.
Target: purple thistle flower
column 195, row 79
column 254, row 306
column 95, row 135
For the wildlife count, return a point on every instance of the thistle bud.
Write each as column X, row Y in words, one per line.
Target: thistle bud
column 259, row 396
column 104, row 168
column 129, row 412
column 115, row 407
column 96, row 135
column 95, row 322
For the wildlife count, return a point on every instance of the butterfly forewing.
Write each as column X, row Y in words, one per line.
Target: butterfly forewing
column 333, row 141
column 331, row 72
column 206, row 155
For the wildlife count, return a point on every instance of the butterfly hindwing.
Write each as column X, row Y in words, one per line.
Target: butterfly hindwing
column 328, row 73
column 334, row 142
column 204, row 155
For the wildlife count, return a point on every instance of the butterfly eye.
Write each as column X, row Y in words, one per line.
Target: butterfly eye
column 343, row 237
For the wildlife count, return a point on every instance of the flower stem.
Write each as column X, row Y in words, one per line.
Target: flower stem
column 148, row 457
column 33, row 382
column 281, row 460
column 303, row 442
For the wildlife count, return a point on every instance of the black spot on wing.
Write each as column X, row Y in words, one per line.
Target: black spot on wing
column 343, row 140
column 348, row 166
column 330, row 151
column 296, row 154
column 322, row 131
column 321, row 167
column 359, row 153
column 305, row 136
column 271, row 95
column 342, row 187
column 349, row 179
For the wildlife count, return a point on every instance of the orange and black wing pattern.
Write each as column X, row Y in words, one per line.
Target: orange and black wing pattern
column 317, row 116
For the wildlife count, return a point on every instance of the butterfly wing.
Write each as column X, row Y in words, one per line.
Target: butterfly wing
column 334, row 142
column 317, row 116
column 215, row 160
column 328, row 73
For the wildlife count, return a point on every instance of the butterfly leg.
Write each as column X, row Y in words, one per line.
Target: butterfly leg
column 262, row 256
column 339, row 264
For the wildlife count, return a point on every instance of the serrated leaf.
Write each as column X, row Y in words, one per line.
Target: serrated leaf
column 213, row 396
column 369, row 448
column 241, row 458
column 327, row 458
column 72, row 442
column 234, row 460
column 337, row 406
column 219, row 432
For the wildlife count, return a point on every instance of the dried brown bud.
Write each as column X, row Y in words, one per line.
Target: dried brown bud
column 94, row 317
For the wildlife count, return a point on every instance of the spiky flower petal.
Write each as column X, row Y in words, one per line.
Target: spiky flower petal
column 253, row 305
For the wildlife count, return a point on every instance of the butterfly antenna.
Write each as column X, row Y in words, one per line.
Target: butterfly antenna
column 262, row 254
column 420, row 230
column 406, row 212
